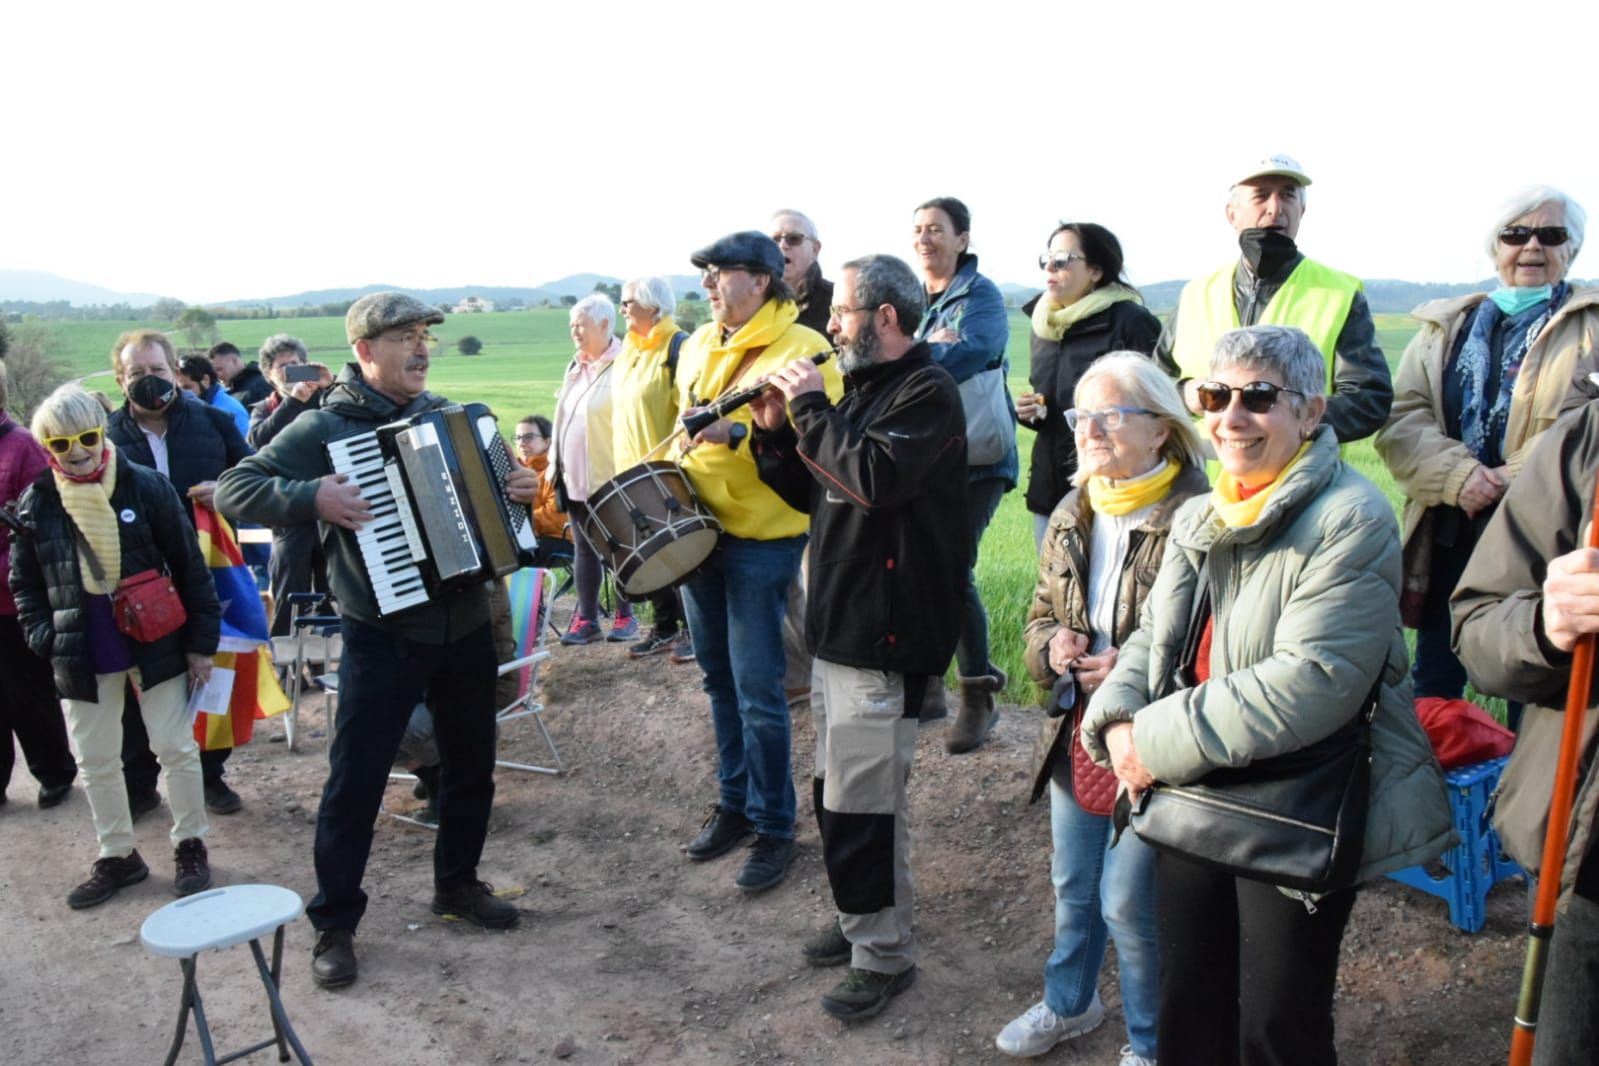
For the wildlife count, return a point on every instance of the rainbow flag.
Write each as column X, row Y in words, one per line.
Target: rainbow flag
column 245, row 647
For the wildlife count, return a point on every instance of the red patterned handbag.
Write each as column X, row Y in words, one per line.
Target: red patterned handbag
column 1093, row 786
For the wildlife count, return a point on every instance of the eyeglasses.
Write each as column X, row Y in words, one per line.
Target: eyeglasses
column 1059, row 260
column 1548, row 236
column 627, row 304
column 791, row 240
column 840, row 312
column 89, row 438
column 1108, row 419
column 411, row 338
column 711, row 275
column 1258, row 396
column 524, row 438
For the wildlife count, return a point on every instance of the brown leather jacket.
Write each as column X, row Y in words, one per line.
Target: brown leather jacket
column 1060, row 599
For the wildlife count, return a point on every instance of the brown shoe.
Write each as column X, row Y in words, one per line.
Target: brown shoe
column 106, row 878
column 194, row 867
column 978, row 715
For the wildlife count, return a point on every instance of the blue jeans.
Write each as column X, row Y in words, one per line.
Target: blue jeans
column 1099, row 889
column 971, row 654
column 735, row 607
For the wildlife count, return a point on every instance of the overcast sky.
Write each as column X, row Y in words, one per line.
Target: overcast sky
column 217, row 151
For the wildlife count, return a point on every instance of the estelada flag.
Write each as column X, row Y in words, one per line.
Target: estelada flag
column 245, row 648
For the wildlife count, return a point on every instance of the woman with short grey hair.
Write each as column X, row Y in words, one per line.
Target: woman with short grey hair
column 1484, row 376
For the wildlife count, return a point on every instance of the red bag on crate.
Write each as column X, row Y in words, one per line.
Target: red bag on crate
column 1462, row 733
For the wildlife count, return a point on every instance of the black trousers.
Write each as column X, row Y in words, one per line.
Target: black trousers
column 30, row 712
column 382, row 677
column 297, row 565
column 1246, row 973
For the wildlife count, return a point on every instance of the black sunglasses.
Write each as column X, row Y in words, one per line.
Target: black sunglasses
column 1548, row 236
column 1258, row 396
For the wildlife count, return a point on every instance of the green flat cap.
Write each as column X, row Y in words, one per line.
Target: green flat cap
column 379, row 311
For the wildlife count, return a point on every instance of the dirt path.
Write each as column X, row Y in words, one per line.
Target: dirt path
column 630, row 954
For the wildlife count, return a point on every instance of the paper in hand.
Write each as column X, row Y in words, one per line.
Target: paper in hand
column 214, row 696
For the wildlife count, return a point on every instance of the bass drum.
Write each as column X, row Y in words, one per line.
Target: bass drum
column 648, row 524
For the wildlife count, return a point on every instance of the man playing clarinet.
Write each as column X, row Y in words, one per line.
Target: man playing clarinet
column 443, row 649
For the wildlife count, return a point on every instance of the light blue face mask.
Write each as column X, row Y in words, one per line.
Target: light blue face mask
column 1513, row 301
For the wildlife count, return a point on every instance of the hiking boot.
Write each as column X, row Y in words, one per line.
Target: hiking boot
column 767, row 865
column 864, row 993
column 333, row 962
column 106, row 877
column 683, row 647
column 475, row 902
column 830, row 947
column 54, row 795
column 581, row 631
column 194, row 867
column 654, row 643
column 1039, row 1029
column 722, row 830
column 623, row 629
column 142, row 803
column 978, row 715
column 220, row 799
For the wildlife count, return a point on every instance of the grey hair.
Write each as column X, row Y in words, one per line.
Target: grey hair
column 1285, row 350
column 805, row 220
column 279, row 343
column 1526, row 200
column 68, row 410
column 653, row 293
column 884, row 279
column 1144, row 384
column 596, row 307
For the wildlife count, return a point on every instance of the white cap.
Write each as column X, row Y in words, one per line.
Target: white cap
column 1275, row 166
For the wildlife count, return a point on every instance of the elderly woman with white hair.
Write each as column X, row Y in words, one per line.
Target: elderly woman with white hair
column 582, row 458
column 644, row 413
column 96, row 519
column 1138, row 458
column 1272, row 626
column 1484, row 376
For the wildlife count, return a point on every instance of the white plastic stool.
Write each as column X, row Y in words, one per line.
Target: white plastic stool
column 222, row 918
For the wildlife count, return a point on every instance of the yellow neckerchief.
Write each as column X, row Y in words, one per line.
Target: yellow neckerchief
column 1233, row 509
column 1114, row 498
column 722, row 360
column 88, row 505
column 656, row 340
column 1051, row 320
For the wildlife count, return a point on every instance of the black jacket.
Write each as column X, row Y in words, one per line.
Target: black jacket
column 269, row 418
column 1056, row 368
column 883, row 477
column 249, row 386
column 49, row 587
column 202, row 441
column 816, row 302
column 277, row 488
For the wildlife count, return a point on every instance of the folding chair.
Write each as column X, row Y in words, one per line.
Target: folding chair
column 314, row 638
column 529, row 591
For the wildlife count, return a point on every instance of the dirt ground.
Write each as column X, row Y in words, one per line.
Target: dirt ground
column 630, row 954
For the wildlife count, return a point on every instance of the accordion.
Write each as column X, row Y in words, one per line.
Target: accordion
column 440, row 519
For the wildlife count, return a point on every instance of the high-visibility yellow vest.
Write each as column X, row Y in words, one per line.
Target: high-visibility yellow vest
column 1314, row 298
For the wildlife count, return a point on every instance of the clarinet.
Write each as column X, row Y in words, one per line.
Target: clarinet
column 732, row 401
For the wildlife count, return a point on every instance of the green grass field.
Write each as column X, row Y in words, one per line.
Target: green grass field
column 525, row 352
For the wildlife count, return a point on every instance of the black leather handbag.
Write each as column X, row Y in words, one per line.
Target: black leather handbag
column 1297, row 820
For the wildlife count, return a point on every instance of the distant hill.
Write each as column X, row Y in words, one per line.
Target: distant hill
column 37, row 286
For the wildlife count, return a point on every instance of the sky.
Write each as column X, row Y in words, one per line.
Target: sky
column 228, row 151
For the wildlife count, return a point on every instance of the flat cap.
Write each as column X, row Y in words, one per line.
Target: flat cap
column 378, row 311
column 749, row 248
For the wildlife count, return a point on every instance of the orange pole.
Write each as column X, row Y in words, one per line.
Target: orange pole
column 1556, row 837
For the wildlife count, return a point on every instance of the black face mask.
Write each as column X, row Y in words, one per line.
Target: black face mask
column 153, row 393
column 1266, row 251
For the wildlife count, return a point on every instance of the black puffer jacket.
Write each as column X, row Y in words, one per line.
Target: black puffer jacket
column 249, row 386
column 1056, row 368
column 155, row 535
column 202, row 441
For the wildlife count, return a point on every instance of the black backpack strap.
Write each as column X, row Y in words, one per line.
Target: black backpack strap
column 672, row 349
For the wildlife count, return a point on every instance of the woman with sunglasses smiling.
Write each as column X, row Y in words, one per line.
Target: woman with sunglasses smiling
column 1137, row 459
column 1087, row 308
column 95, row 519
column 1274, row 615
column 1484, row 376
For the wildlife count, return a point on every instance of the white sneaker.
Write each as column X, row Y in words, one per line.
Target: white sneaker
column 1129, row 1059
column 1040, row 1029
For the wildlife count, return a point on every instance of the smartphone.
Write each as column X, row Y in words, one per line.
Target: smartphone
column 299, row 372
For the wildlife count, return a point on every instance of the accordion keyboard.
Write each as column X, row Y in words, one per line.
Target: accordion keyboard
column 389, row 545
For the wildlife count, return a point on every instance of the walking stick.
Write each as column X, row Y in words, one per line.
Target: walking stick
column 1555, row 837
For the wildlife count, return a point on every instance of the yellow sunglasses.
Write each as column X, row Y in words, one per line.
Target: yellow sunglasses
column 89, row 438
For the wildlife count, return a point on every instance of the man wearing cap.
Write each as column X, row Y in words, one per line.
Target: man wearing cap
column 1273, row 283
column 735, row 602
column 390, row 664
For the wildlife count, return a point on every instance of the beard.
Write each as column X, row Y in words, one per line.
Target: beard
column 860, row 353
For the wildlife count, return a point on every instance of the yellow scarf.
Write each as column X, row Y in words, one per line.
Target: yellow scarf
column 1113, row 498
column 656, row 340
column 1234, row 509
column 715, row 373
column 88, row 505
column 1051, row 320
